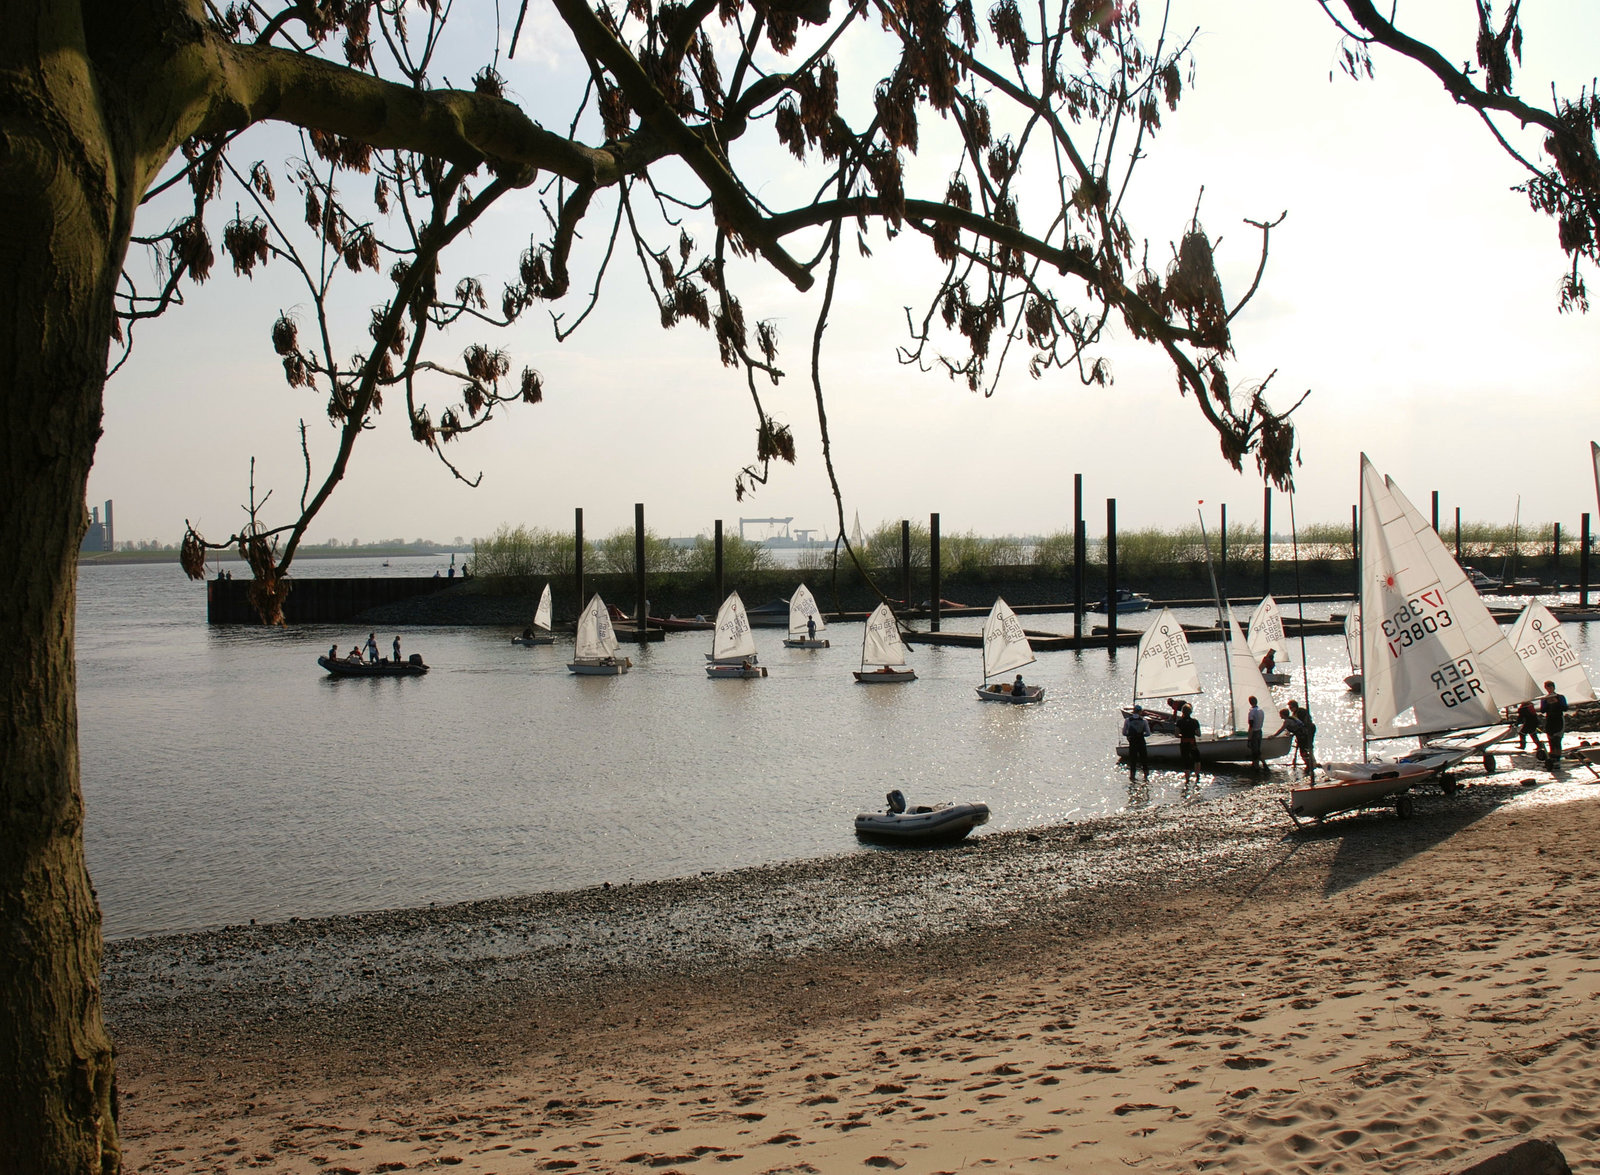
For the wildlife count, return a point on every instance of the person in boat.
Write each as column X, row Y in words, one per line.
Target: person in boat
column 1554, row 708
column 333, row 651
column 1269, row 661
column 1306, row 740
column 1136, row 729
column 1188, row 728
column 397, row 647
column 886, row 669
column 1017, row 688
column 811, row 628
column 1255, row 723
column 372, row 647
column 1176, row 705
column 527, row 633
column 1528, row 727
column 354, row 654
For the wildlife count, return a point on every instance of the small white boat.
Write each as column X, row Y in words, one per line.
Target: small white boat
column 733, row 644
column 1352, row 647
column 1006, row 647
column 881, row 646
column 806, row 624
column 594, row 652
column 1265, row 632
column 921, row 824
column 1437, row 654
column 539, row 633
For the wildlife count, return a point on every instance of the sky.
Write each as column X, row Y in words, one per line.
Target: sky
column 1409, row 290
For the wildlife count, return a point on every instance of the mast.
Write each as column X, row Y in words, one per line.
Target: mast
column 1361, row 599
column 1227, row 634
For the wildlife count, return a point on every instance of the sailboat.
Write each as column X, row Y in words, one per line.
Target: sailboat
column 595, row 650
column 1165, row 668
column 806, row 624
column 881, row 645
column 1006, row 647
column 1429, row 648
column 733, row 643
column 1514, row 585
column 540, row 633
column 1545, row 652
column 1266, row 632
column 1352, row 647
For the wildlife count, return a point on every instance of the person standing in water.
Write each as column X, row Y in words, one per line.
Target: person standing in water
column 1136, row 729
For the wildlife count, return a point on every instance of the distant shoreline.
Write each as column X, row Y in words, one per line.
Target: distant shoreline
column 170, row 555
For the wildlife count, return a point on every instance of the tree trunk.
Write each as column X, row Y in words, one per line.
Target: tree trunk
column 61, row 243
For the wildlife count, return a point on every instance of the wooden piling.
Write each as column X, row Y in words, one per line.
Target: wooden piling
column 577, row 565
column 721, row 592
column 1111, row 576
column 642, row 606
column 933, row 573
column 905, row 561
column 1583, row 565
column 1079, row 545
column 1266, row 541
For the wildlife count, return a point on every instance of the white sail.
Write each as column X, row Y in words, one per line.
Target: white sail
column 733, row 638
column 1244, row 675
column 1428, row 643
column 801, row 607
column 1005, row 646
column 596, row 638
column 541, row 614
column 1542, row 645
column 1352, row 637
column 881, row 644
column 1266, row 631
column 858, row 540
column 1164, row 667
column 1594, row 452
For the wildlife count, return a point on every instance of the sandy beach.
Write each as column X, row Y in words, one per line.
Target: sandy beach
column 1197, row 988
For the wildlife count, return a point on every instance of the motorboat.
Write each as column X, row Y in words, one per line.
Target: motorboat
column 920, row 824
column 1127, row 601
column 412, row 666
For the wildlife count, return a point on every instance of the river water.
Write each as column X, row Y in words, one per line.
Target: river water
column 228, row 778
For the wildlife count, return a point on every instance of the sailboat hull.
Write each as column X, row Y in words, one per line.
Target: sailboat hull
column 1001, row 692
column 1353, row 683
column 804, row 643
column 884, row 676
column 1277, row 678
column 533, row 640
column 609, row 667
column 1231, row 748
column 717, row 672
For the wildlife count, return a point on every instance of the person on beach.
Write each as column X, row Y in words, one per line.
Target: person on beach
column 1189, row 742
column 397, row 646
column 1528, row 728
column 1298, row 726
column 372, row 647
column 1554, row 708
column 1255, row 722
column 1306, row 739
column 1136, row 729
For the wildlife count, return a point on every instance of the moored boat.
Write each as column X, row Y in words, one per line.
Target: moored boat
column 920, row 824
column 1429, row 647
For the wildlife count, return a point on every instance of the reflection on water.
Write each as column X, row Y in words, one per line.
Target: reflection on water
column 229, row 778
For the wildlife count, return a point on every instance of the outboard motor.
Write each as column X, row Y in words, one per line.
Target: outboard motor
column 415, row 658
column 897, row 802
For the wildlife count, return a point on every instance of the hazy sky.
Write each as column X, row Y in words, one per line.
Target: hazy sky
column 1409, row 290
